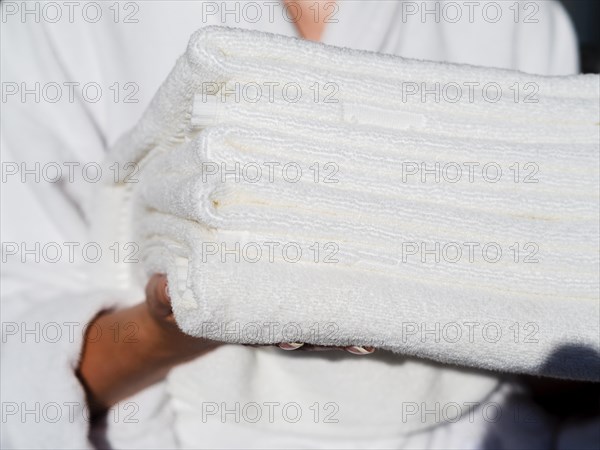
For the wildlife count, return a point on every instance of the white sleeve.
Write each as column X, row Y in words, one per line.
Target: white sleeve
column 545, row 40
column 46, row 301
column 49, row 293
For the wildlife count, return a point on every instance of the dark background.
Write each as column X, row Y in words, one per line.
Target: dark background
column 585, row 15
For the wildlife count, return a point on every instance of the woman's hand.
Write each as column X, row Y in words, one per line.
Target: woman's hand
column 128, row 350
column 160, row 308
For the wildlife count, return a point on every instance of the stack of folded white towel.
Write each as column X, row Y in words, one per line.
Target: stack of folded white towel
column 298, row 192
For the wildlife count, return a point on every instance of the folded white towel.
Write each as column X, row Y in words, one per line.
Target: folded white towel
column 369, row 88
column 368, row 252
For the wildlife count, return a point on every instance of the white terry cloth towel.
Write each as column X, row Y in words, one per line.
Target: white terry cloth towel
column 373, row 261
column 237, row 75
column 378, row 248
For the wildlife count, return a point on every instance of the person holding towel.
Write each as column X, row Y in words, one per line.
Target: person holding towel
column 164, row 389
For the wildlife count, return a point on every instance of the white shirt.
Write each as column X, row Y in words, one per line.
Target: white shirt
column 370, row 397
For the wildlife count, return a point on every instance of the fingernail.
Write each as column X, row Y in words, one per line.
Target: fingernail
column 360, row 350
column 290, row 345
column 167, row 289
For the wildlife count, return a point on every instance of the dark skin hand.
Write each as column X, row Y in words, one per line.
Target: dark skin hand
column 116, row 366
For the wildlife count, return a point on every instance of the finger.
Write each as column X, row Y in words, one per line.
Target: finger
column 289, row 346
column 360, row 350
column 157, row 295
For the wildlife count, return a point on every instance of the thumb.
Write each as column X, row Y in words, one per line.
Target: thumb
column 157, row 296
